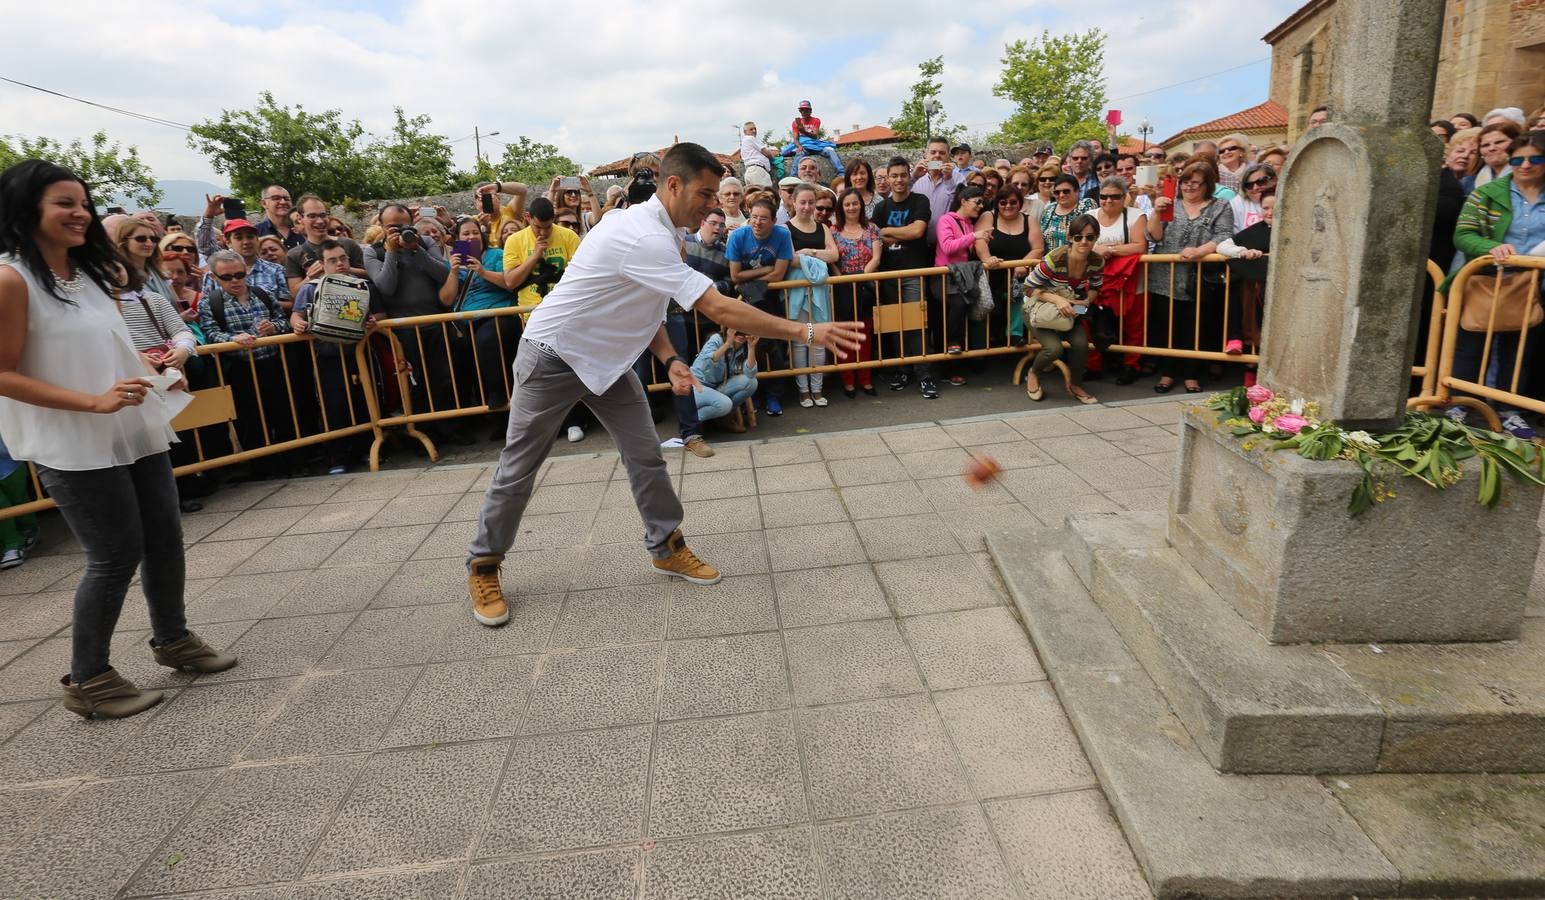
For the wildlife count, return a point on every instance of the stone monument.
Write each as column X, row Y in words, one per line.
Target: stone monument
column 1216, row 661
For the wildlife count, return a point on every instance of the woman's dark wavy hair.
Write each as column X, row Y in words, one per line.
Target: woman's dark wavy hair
column 21, row 194
column 965, row 192
column 840, row 218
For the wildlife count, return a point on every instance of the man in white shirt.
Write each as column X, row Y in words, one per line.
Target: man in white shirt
column 579, row 347
column 753, row 152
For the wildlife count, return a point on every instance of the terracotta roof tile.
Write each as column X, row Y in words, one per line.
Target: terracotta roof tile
column 1266, row 116
column 620, row 167
column 874, row 134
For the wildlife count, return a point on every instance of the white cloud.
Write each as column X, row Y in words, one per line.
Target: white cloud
column 630, row 77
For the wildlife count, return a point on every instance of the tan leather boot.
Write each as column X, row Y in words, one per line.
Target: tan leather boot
column 192, row 654
column 488, row 604
column 109, row 695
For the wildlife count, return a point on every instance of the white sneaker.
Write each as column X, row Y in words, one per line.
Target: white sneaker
column 576, row 434
column 1458, row 414
column 11, row 559
column 1513, row 423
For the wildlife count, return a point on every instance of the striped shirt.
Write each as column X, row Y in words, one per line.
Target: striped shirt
column 162, row 324
column 1051, row 274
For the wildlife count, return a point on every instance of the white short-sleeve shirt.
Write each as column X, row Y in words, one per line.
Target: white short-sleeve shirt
column 612, row 298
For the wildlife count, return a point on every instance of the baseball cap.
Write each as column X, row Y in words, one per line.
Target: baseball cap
column 237, row 225
column 1043, row 150
column 804, row 104
column 959, row 148
column 789, row 181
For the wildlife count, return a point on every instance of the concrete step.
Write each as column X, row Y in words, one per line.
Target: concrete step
column 1199, row 833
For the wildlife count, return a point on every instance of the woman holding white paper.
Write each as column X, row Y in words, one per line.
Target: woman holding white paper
column 77, row 400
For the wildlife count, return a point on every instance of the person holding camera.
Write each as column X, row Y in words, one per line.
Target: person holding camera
column 641, row 185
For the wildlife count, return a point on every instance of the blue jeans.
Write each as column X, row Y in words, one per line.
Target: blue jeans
column 821, row 148
column 686, row 406
column 714, row 403
column 1504, row 356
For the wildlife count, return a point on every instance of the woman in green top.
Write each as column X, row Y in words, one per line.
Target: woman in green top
column 1065, row 206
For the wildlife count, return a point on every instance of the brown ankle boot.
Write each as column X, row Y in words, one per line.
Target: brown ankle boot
column 192, row 654
column 109, row 695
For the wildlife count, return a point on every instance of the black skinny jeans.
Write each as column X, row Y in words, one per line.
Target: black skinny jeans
column 121, row 516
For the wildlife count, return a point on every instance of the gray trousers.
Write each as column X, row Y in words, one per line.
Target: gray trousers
column 545, row 389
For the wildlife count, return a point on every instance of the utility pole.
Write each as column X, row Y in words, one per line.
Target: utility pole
column 477, row 143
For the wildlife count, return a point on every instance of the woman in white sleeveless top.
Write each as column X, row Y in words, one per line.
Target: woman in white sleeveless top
column 74, row 401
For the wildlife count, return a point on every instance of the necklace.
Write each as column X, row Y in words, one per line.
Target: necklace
column 72, row 285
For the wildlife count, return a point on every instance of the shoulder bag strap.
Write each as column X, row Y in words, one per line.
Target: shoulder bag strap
column 160, row 329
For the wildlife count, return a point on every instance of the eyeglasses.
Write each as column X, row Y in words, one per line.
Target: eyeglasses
column 1078, row 159
column 143, row 239
column 568, row 223
column 1231, row 149
column 1081, row 238
column 235, row 276
column 1111, row 197
column 823, row 209
column 336, row 232
column 1008, row 201
column 1045, row 180
column 277, row 197
column 1062, row 192
column 321, row 215
column 181, row 248
column 1259, row 182
column 1533, row 160
column 1192, row 182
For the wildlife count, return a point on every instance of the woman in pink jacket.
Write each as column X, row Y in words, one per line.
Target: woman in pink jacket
column 955, row 240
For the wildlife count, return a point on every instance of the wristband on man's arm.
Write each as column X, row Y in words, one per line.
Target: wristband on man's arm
column 677, row 359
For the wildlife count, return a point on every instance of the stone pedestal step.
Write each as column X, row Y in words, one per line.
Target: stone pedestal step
column 1254, row 707
column 1199, row 833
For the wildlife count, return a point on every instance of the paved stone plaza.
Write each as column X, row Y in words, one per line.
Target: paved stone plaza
column 854, row 712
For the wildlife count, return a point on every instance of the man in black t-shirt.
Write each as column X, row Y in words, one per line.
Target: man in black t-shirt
column 903, row 218
column 304, row 261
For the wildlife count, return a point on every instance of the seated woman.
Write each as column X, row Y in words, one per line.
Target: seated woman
column 1069, row 279
column 726, row 375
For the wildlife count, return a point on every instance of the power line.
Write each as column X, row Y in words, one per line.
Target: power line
column 1192, row 80
column 156, row 120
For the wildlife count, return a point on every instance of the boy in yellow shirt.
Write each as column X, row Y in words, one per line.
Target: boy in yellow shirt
column 536, row 256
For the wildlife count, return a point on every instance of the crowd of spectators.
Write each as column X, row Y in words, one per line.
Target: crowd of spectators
column 1078, row 223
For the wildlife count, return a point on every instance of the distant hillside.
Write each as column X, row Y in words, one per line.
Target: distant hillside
column 183, row 197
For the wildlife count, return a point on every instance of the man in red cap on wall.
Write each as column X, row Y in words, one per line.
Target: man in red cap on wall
column 806, row 130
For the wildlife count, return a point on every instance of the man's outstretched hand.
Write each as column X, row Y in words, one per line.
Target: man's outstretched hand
column 841, row 338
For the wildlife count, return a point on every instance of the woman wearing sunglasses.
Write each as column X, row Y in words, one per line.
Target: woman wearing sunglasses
column 1502, row 218
column 1123, row 241
column 1045, row 179
column 1014, row 235
column 1201, row 223
column 1069, row 279
column 1065, row 206
column 1258, row 181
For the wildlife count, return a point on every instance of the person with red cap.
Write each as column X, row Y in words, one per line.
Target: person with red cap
column 806, row 130
column 242, row 237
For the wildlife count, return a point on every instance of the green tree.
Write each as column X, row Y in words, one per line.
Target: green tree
column 271, row 144
column 912, row 124
column 411, row 160
column 110, row 170
column 533, row 162
column 1057, row 85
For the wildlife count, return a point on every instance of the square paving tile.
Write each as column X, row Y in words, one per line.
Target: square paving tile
column 784, row 453
column 241, row 598
column 878, row 755
column 58, row 744
column 218, row 558
column 411, row 807
column 565, row 791
column 936, row 585
column 255, row 825
column 622, row 524
column 465, row 700
column 878, row 469
column 803, row 508
column 1119, row 474
column 1015, row 454
column 813, row 546
column 304, row 492
column 1015, row 739
column 379, row 546
column 576, row 469
column 613, row 565
column 89, row 845
column 555, row 530
column 712, row 517
column 16, row 716
column 197, row 526
column 40, row 572
column 1067, row 847
column 1037, row 485
column 256, row 523
column 771, row 864
column 447, row 480
column 345, row 589
column 1045, row 425
column 741, row 553
column 390, row 637
column 290, row 553
column 978, row 646
column 201, row 727
column 850, row 661
column 803, row 476
column 724, row 458
column 874, row 501
column 1053, row 512
column 282, row 646
column 239, row 497
column 738, row 603
column 1147, row 439
column 971, row 525
column 448, row 540
column 931, row 855
column 558, row 498
column 1167, row 413
column 407, row 510
column 1154, row 499
column 424, row 582
column 531, row 621
column 852, row 446
column 907, row 537
column 912, row 440
column 544, row 571
column 987, row 431
column 337, row 517
column 724, row 675
column 718, row 485
column 1107, row 418
column 339, row 713
column 953, row 492
column 616, row 615
column 595, row 688
column 1079, row 447
column 948, row 462
column 827, row 595
column 19, row 810
column 37, row 615
column 374, row 486
column 603, row 875
column 725, row 775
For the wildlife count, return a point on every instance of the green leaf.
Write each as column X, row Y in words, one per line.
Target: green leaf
column 1362, row 496
column 1491, row 483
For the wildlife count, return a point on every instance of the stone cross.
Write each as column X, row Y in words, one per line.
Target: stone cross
column 1355, row 206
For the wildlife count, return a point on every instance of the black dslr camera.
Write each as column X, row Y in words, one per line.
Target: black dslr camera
column 409, row 236
column 642, row 187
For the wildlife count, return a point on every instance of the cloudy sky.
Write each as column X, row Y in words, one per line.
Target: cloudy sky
column 599, row 78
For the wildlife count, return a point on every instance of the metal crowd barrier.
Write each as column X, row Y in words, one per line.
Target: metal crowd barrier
column 1476, row 387
column 420, row 370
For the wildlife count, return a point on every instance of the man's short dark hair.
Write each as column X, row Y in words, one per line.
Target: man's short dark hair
column 938, row 140
column 1104, row 159
column 1131, row 156
column 765, row 203
column 686, row 160
column 395, row 205
column 716, row 211
column 1443, row 125
column 541, row 209
column 330, row 244
column 898, row 161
